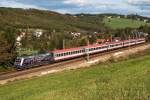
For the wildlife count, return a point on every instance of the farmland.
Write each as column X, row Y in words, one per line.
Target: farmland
column 122, row 80
column 119, row 23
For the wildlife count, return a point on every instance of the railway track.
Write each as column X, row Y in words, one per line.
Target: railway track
column 9, row 75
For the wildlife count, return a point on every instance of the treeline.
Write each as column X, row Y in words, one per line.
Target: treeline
column 33, row 18
column 7, row 47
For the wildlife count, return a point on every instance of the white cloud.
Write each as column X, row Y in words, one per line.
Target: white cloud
column 15, row 4
column 76, row 2
column 139, row 2
column 83, row 6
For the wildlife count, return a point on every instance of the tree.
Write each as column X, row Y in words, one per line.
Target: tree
column 7, row 52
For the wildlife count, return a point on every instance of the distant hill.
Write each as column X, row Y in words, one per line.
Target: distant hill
column 33, row 18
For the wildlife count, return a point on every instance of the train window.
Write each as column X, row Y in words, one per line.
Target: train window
column 69, row 53
column 73, row 52
column 80, row 51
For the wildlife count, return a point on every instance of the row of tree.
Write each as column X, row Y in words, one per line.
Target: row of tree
column 7, row 47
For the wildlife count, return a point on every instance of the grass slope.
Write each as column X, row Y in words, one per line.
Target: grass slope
column 115, row 23
column 128, row 80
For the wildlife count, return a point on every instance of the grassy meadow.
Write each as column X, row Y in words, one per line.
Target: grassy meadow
column 126, row 80
column 120, row 23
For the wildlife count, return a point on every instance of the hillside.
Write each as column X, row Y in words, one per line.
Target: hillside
column 121, row 23
column 123, row 80
column 32, row 18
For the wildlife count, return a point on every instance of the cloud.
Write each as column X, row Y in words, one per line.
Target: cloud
column 83, row 6
column 15, row 4
column 76, row 2
column 139, row 2
column 142, row 4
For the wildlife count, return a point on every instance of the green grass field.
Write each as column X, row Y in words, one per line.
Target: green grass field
column 116, row 23
column 127, row 80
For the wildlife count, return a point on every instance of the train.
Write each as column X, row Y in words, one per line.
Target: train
column 70, row 53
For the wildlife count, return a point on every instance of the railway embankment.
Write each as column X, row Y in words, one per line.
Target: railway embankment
column 103, row 57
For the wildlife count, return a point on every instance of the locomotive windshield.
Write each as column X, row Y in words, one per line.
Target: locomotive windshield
column 18, row 61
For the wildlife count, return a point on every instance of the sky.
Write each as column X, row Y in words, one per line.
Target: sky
column 140, row 7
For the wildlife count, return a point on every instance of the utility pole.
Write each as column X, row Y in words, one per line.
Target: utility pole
column 111, row 38
column 87, row 51
column 63, row 43
column 88, row 55
column 130, row 42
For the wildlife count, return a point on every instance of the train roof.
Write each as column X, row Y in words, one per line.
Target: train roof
column 89, row 46
column 67, row 50
column 78, row 48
